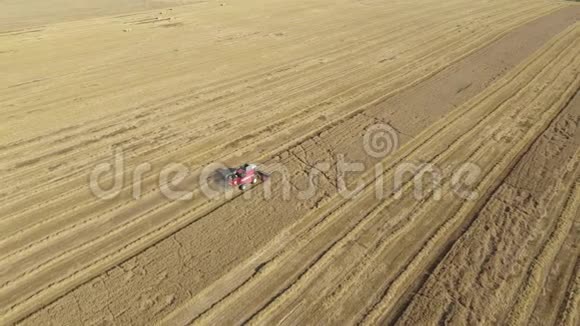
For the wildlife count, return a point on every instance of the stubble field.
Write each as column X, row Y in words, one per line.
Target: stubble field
column 478, row 98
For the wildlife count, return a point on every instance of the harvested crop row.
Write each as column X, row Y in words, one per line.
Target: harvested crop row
column 306, row 108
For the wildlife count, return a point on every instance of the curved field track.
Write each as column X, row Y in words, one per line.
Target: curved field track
column 472, row 217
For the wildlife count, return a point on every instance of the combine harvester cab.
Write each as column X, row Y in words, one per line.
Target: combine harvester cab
column 245, row 175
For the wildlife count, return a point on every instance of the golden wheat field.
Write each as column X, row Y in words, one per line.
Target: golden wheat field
column 423, row 161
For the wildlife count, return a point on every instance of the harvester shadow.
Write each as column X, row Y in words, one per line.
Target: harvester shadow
column 219, row 178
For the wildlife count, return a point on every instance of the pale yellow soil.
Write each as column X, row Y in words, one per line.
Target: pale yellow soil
column 292, row 84
column 18, row 14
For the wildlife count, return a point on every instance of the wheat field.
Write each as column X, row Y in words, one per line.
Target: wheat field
column 482, row 93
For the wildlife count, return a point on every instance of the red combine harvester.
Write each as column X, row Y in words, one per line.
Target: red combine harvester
column 245, row 175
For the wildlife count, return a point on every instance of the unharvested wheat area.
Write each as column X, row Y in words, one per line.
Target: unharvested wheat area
column 481, row 108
